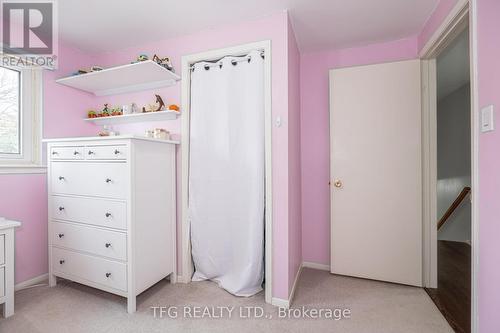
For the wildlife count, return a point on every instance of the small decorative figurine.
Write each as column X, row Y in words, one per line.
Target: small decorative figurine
column 91, row 114
column 142, row 57
column 105, row 111
column 164, row 62
column 173, row 107
column 158, row 106
column 135, row 108
column 96, row 68
column 116, row 111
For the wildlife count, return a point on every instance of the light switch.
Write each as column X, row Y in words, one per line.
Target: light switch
column 488, row 119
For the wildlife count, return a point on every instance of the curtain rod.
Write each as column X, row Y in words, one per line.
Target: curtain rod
column 215, row 63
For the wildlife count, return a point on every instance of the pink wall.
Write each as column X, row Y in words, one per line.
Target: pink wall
column 64, row 108
column 272, row 28
column 314, row 99
column 488, row 26
column 294, row 160
column 24, row 197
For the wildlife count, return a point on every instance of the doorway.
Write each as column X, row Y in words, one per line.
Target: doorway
column 453, row 184
column 212, row 56
column 450, row 167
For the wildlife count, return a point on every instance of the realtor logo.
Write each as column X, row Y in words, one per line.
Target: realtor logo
column 29, row 31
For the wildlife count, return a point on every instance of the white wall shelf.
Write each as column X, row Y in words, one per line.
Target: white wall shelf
column 122, row 79
column 134, row 118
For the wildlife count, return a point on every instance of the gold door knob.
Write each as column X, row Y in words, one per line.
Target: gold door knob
column 337, row 183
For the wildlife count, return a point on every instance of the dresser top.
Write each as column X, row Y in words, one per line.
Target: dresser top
column 115, row 137
column 7, row 224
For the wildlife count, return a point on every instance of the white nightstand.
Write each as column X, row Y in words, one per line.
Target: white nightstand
column 7, row 265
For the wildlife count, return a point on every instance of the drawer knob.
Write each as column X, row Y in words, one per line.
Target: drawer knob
column 61, row 235
column 108, row 275
column 61, row 262
column 76, row 153
column 117, row 152
column 90, row 152
column 108, row 214
column 61, row 178
column 55, row 153
column 61, row 208
column 108, row 245
column 108, row 180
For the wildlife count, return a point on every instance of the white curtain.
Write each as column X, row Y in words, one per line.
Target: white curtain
column 226, row 173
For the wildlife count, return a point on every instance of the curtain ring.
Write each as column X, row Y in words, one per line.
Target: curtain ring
column 249, row 59
column 220, row 64
column 207, row 67
column 234, row 62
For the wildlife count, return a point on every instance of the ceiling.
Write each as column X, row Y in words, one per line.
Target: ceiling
column 96, row 26
column 453, row 68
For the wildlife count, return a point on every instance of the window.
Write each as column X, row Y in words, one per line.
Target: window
column 10, row 107
column 20, row 118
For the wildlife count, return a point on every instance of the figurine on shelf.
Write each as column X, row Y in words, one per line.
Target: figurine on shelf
column 142, row 57
column 91, row 114
column 159, row 105
column 116, row 111
column 174, row 107
column 164, row 62
column 105, row 111
column 96, row 68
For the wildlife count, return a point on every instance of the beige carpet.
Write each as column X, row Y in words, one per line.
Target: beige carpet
column 376, row 307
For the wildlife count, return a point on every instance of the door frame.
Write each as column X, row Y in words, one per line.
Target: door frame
column 211, row 55
column 463, row 15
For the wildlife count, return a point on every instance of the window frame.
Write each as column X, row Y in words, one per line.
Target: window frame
column 30, row 114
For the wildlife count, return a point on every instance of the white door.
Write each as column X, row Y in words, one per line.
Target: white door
column 376, row 192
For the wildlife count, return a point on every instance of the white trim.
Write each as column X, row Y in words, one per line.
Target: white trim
column 187, row 61
column 295, row 284
column 31, row 124
column 454, row 23
column 429, row 173
column 314, row 265
column 286, row 303
column 22, row 169
column 32, row 282
column 280, row 302
column 182, row 279
column 474, row 165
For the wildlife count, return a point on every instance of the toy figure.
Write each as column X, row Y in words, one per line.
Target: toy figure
column 164, row 62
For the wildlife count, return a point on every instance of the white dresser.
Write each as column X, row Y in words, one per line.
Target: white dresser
column 7, row 235
column 112, row 213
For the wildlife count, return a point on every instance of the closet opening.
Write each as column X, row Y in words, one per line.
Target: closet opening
column 226, row 178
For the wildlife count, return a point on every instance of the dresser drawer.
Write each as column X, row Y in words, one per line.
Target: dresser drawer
column 66, row 153
column 2, row 249
column 108, row 180
column 106, row 152
column 98, row 270
column 2, row 282
column 84, row 238
column 111, row 214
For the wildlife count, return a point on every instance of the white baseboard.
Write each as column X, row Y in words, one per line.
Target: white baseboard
column 31, row 282
column 285, row 303
column 314, row 265
column 295, row 283
column 280, row 302
column 183, row 279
